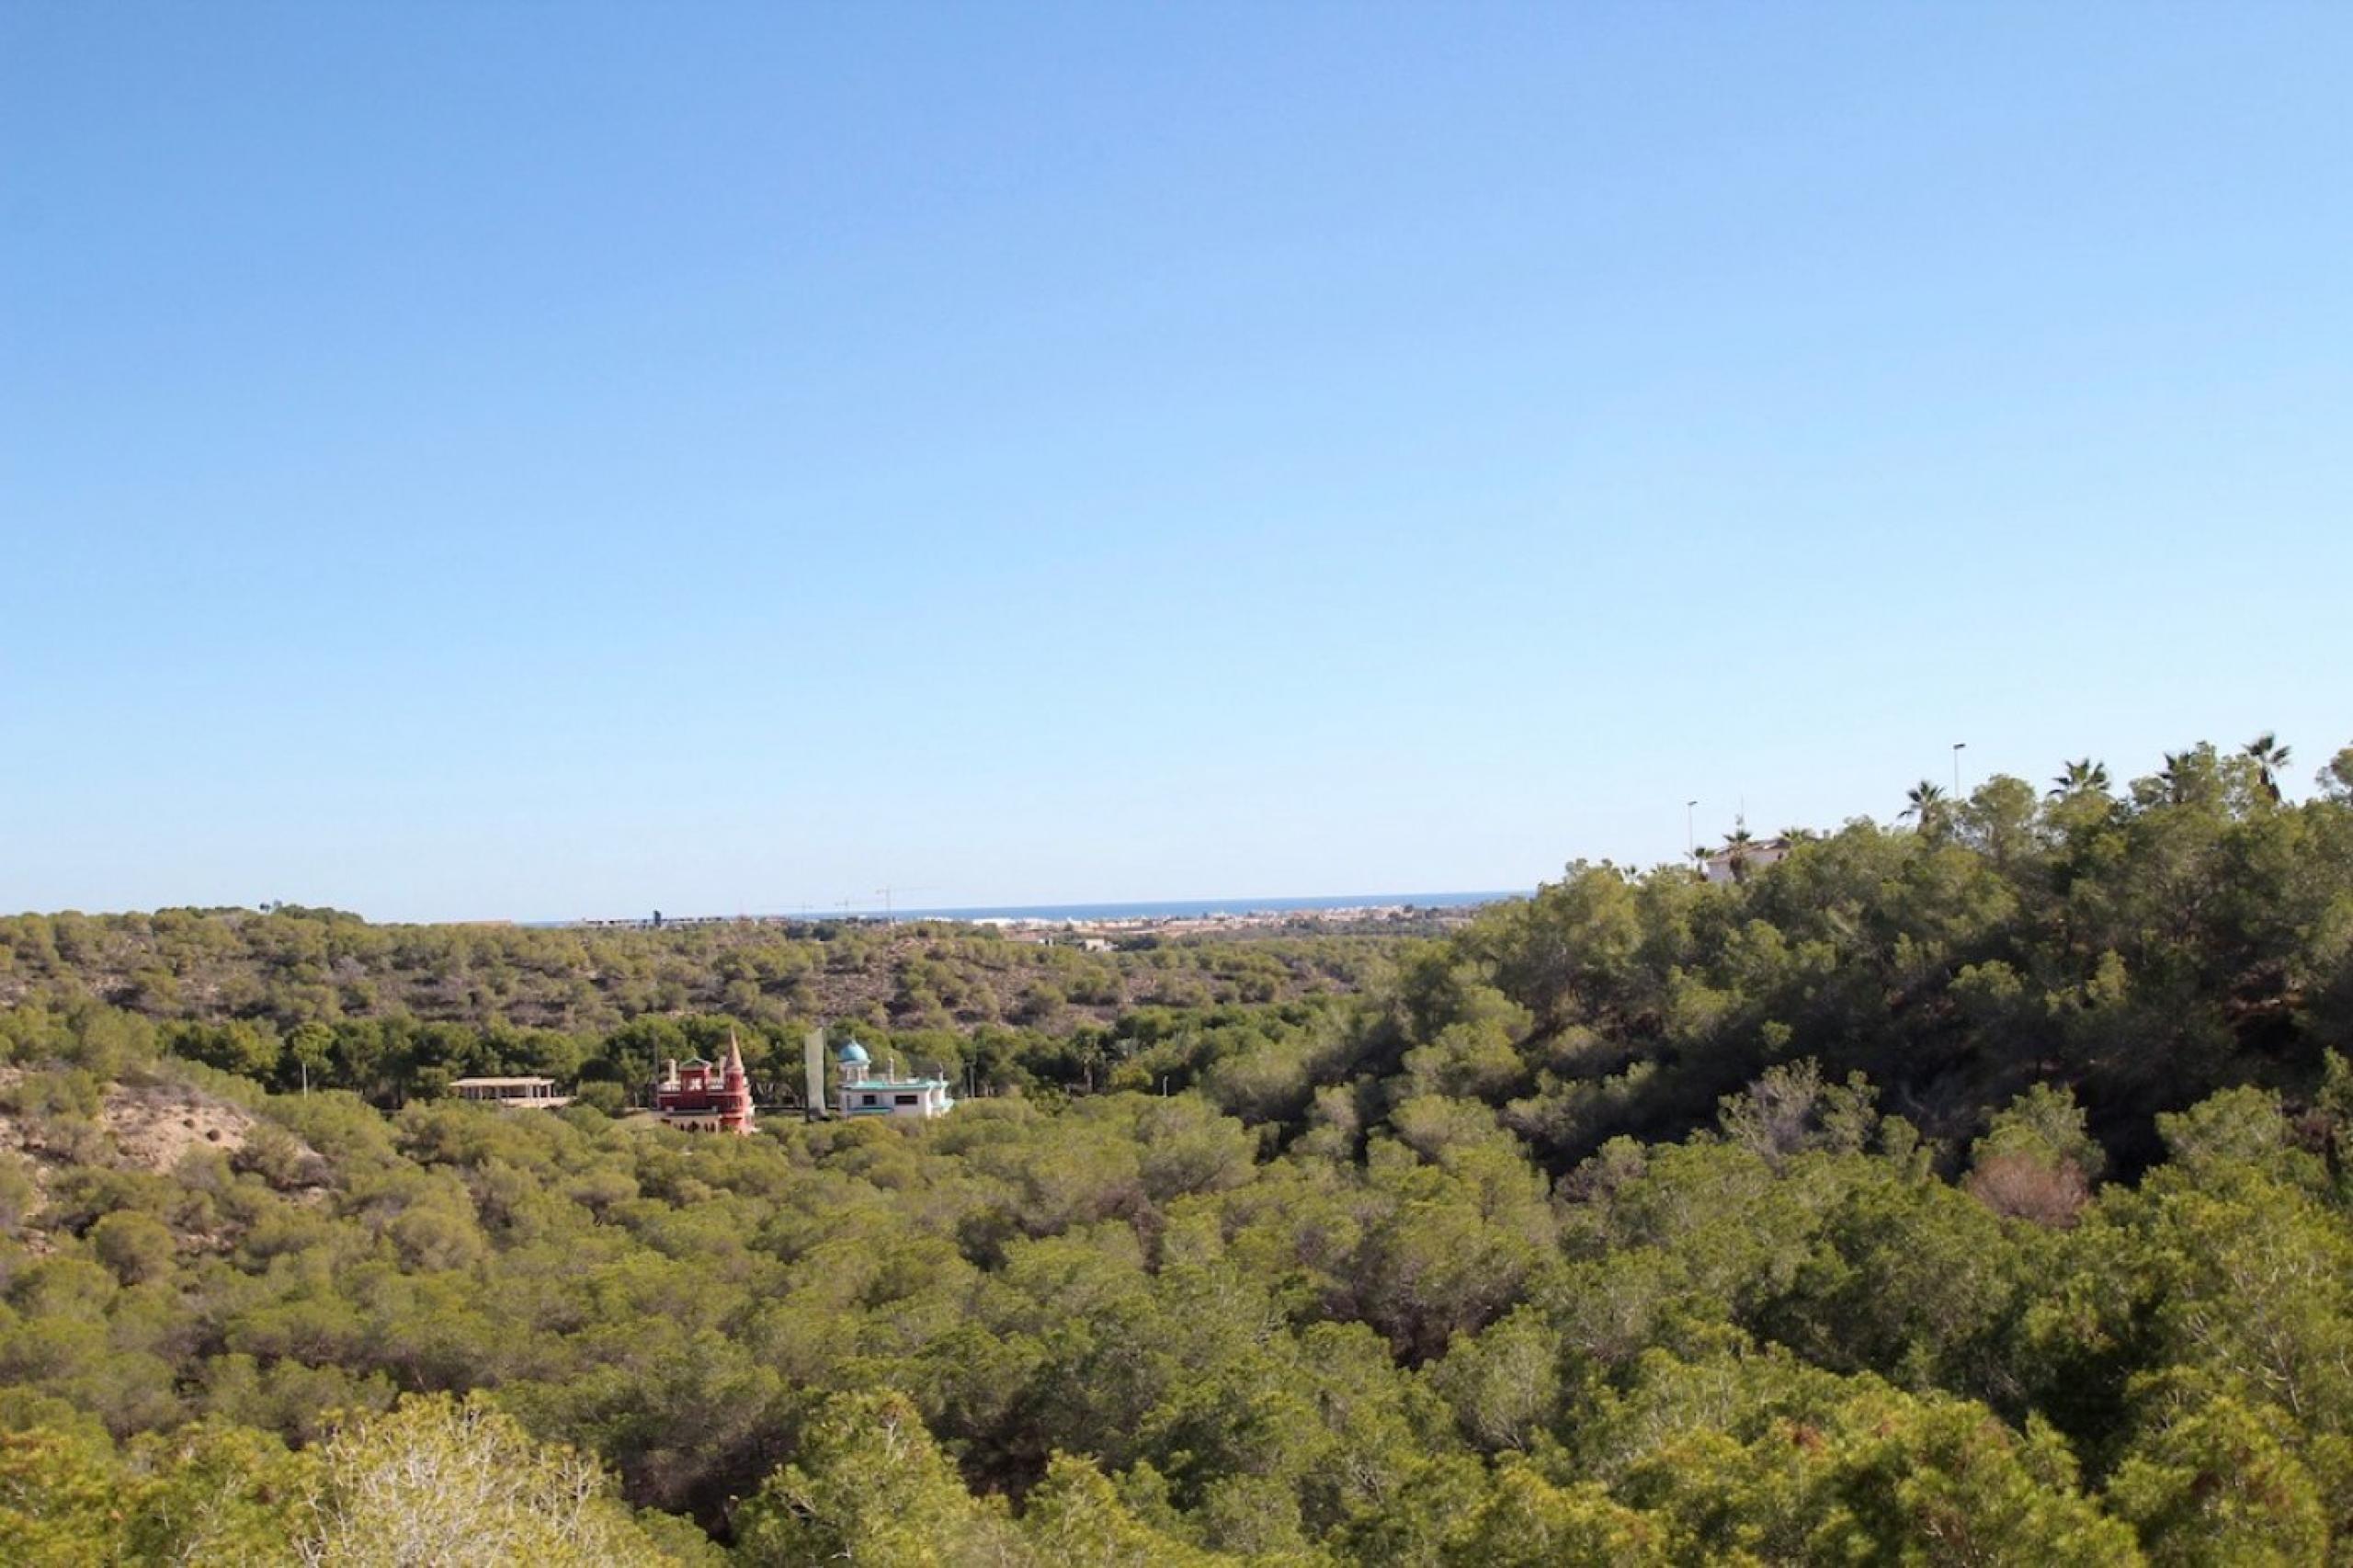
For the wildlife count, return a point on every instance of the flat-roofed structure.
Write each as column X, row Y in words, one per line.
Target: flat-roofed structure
column 532, row 1094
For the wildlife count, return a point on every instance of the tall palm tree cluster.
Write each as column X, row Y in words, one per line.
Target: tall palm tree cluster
column 1927, row 803
column 1929, row 806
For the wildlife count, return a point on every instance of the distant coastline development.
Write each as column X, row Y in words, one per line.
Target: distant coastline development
column 1208, row 913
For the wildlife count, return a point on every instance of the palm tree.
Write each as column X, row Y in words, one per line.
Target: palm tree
column 2269, row 756
column 2079, row 777
column 2178, row 774
column 1927, row 803
column 1736, row 844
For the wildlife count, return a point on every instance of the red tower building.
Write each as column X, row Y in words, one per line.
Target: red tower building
column 703, row 1096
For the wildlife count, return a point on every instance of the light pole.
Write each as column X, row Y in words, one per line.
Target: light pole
column 1956, row 748
column 1690, row 844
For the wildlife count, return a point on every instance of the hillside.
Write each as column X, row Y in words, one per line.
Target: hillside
column 2143, row 949
column 316, row 997
column 292, row 965
column 1968, row 1191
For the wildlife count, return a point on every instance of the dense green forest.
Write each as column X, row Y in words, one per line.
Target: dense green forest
column 300, row 996
column 1971, row 1189
column 288, row 966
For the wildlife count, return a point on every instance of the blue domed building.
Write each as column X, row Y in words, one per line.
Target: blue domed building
column 864, row 1092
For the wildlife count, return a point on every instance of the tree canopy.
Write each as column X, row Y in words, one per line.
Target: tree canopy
column 1968, row 1190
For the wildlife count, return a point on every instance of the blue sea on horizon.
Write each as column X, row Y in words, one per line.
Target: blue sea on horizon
column 1184, row 908
column 1148, row 909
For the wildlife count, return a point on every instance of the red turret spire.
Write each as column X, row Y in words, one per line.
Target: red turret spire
column 735, row 1091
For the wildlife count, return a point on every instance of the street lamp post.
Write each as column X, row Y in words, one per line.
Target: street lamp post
column 1690, row 844
column 1956, row 748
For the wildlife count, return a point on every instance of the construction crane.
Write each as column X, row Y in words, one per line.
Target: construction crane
column 888, row 895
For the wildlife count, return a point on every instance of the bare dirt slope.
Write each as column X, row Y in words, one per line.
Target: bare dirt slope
column 144, row 1127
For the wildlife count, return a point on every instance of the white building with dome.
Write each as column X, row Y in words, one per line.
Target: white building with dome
column 865, row 1092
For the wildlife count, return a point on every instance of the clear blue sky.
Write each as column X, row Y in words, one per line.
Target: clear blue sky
column 548, row 460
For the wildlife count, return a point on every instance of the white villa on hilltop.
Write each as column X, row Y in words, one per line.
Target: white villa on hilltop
column 1732, row 862
column 866, row 1093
